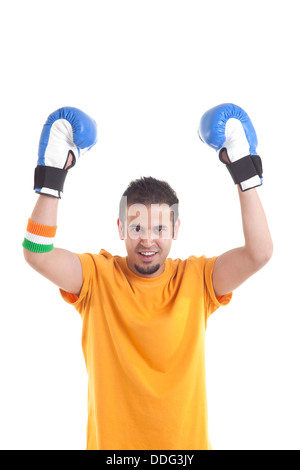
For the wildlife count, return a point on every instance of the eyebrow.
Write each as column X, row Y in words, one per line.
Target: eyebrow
column 134, row 225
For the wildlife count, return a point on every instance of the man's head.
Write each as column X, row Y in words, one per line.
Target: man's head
column 148, row 222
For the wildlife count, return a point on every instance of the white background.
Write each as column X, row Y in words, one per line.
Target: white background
column 146, row 71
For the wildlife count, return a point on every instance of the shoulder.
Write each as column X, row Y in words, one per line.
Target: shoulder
column 95, row 261
column 198, row 267
column 103, row 263
column 192, row 262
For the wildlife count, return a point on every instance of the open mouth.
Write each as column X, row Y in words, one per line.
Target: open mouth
column 147, row 255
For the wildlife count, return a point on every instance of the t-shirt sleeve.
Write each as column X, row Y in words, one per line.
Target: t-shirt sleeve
column 88, row 275
column 212, row 302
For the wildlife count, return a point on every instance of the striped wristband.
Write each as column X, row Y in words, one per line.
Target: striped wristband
column 39, row 238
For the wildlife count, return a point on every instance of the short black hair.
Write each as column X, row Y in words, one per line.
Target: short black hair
column 148, row 190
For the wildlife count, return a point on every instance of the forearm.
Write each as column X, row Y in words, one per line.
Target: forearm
column 258, row 241
column 45, row 211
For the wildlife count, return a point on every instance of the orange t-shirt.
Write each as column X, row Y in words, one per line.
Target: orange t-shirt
column 143, row 342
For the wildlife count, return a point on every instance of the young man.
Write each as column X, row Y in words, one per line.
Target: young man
column 144, row 315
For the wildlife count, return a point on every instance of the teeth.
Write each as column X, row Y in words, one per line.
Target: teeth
column 148, row 253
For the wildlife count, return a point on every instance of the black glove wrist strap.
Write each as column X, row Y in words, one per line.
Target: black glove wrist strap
column 49, row 177
column 244, row 168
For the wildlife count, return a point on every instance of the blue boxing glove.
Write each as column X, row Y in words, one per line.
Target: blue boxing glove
column 229, row 130
column 67, row 134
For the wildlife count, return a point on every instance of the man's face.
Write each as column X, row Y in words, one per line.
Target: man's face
column 149, row 234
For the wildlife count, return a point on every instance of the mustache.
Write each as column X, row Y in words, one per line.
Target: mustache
column 143, row 248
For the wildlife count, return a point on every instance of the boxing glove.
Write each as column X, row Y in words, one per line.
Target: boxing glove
column 67, row 132
column 228, row 129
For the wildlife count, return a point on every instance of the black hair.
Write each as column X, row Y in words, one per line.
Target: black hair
column 147, row 191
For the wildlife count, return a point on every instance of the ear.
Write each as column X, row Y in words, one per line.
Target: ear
column 120, row 229
column 176, row 229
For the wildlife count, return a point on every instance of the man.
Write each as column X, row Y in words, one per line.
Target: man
column 144, row 315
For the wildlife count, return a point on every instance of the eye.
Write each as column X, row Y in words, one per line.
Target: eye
column 160, row 228
column 135, row 228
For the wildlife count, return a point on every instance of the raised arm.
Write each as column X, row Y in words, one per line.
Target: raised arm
column 228, row 129
column 235, row 266
column 67, row 133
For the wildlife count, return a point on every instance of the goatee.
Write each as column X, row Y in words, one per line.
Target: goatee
column 147, row 269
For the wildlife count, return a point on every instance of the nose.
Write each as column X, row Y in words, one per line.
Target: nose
column 146, row 238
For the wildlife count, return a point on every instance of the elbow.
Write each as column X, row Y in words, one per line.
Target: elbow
column 29, row 258
column 266, row 258
column 26, row 254
column 271, row 250
column 33, row 259
column 262, row 257
column 268, row 252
